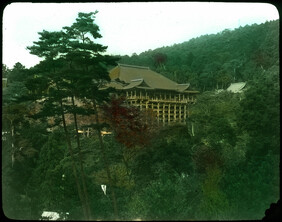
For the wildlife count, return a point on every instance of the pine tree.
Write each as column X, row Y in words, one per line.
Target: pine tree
column 49, row 71
column 88, row 72
column 75, row 67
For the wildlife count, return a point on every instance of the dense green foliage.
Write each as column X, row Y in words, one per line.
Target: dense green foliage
column 223, row 164
column 214, row 61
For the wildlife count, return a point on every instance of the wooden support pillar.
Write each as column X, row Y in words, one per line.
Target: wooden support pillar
column 163, row 114
column 158, row 110
column 185, row 111
column 180, row 113
column 174, row 119
column 168, row 113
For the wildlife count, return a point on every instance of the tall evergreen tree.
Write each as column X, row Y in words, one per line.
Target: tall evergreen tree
column 75, row 67
column 88, row 71
column 49, row 71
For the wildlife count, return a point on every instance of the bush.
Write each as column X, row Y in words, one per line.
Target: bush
column 166, row 198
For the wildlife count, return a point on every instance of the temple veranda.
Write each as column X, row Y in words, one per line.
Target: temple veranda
column 147, row 89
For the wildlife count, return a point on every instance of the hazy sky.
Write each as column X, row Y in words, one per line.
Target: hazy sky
column 126, row 27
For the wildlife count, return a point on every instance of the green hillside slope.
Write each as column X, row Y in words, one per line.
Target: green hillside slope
column 214, row 61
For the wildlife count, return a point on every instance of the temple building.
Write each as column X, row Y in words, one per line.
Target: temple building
column 238, row 87
column 147, row 89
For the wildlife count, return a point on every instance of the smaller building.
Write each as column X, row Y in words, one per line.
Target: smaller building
column 50, row 215
column 236, row 87
column 4, row 82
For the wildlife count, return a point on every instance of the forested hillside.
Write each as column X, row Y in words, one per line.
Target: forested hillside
column 222, row 164
column 214, row 61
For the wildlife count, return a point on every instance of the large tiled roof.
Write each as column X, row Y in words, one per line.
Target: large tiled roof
column 127, row 76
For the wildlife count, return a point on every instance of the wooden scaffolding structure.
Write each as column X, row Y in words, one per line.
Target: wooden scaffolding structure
column 170, row 107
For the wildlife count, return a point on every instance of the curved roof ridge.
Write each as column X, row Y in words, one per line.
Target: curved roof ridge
column 236, row 87
column 182, row 87
column 133, row 84
column 133, row 66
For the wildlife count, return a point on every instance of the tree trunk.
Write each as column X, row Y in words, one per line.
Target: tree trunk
column 80, row 162
column 114, row 202
column 125, row 164
column 12, row 142
column 81, row 197
column 192, row 126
